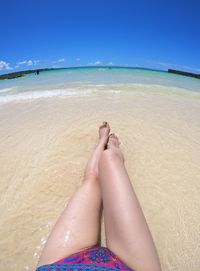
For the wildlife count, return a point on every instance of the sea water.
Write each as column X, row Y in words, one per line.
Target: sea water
column 84, row 80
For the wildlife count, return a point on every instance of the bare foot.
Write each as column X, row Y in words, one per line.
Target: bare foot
column 104, row 131
column 113, row 143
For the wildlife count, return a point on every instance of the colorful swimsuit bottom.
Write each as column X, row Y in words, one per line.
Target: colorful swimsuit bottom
column 94, row 258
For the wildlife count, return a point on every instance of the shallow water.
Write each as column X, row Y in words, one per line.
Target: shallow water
column 45, row 144
column 85, row 80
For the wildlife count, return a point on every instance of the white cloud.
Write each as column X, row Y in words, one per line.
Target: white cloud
column 36, row 62
column 5, row 65
column 110, row 63
column 96, row 63
column 21, row 63
column 61, row 60
column 28, row 62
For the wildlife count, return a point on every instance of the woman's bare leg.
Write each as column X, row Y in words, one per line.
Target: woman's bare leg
column 78, row 226
column 127, row 233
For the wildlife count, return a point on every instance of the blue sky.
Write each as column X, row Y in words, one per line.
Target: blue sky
column 157, row 34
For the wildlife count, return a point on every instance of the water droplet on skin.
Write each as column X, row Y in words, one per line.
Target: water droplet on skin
column 44, row 242
column 43, row 239
column 66, row 238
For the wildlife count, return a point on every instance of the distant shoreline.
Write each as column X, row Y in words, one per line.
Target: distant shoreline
column 18, row 74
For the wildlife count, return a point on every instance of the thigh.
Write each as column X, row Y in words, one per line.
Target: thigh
column 127, row 233
column 78, row 226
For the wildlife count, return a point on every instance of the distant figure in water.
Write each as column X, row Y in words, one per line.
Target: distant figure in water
column 74, row 242
column 37, row 72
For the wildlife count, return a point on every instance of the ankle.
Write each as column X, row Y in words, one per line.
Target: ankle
column 103, row 142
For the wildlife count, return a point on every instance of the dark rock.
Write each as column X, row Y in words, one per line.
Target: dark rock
column 195, row 75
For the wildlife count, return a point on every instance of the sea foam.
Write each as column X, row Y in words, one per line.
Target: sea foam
column 15, row 95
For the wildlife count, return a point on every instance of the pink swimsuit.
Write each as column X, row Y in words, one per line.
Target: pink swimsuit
column 94, row 258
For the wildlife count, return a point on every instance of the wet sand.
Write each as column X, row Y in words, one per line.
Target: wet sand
column 43, row 150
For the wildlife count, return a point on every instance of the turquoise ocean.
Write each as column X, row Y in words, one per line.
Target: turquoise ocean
column 88, row 80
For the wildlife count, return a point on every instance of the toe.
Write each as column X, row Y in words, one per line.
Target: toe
column 114, row 136
column 105, row 124
column 102, row 126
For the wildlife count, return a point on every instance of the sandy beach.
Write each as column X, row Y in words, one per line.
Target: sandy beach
column 43, row 150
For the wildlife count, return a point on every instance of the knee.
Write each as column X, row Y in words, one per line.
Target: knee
column 90, row 176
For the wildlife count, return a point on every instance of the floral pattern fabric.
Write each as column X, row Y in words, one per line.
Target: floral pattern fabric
column 94, row 258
